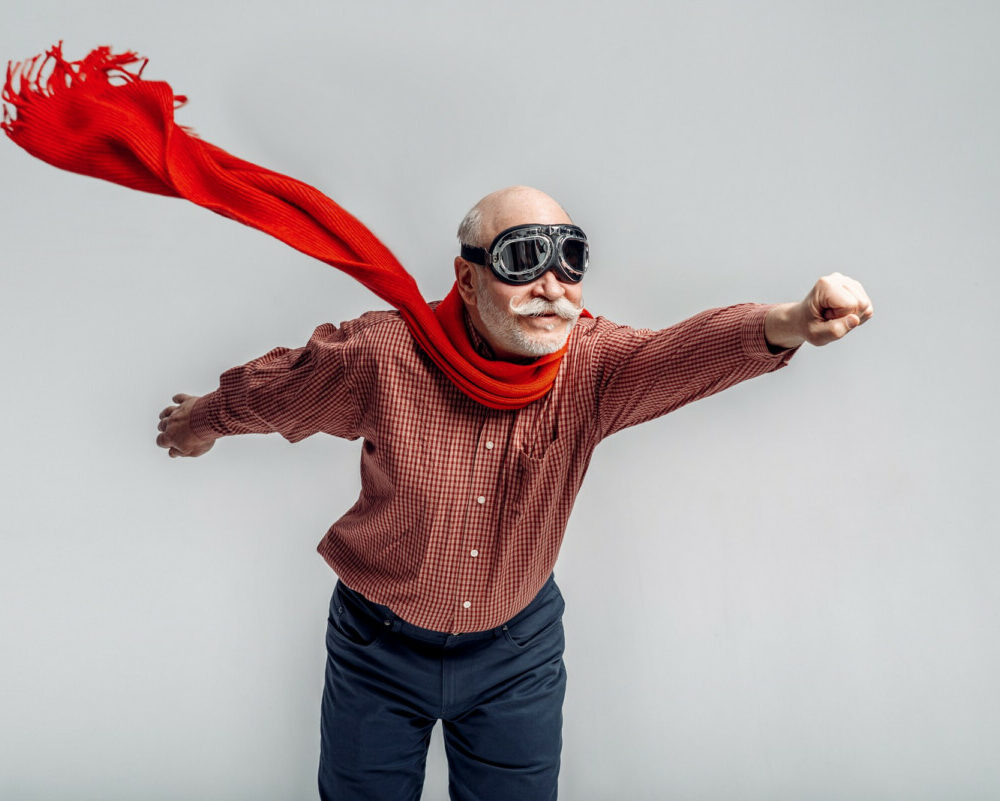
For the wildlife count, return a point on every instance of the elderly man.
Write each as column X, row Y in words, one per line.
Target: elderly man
column 446, row 606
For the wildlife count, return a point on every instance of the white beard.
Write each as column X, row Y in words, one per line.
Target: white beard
column 505, row 328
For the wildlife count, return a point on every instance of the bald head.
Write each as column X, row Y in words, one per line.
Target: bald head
column 505, row 208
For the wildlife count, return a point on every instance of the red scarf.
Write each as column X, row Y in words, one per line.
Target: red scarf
column 124, row 132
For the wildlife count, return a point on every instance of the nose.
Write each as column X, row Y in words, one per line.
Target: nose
column 548, row 287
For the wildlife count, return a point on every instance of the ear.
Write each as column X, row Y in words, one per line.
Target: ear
column 465, row 280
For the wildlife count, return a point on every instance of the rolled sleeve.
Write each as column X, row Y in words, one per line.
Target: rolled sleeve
column 755, row 344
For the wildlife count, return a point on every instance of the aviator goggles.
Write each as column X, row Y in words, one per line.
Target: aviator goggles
column 523, row 253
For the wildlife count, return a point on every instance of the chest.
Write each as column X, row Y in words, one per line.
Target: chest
column 421, row 430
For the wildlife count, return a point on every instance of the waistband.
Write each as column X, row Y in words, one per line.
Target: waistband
column 394, row 622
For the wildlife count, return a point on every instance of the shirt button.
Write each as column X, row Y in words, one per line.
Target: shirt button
column 467, row 604
column 481, row 499
column 489, row 445
column 473, row 552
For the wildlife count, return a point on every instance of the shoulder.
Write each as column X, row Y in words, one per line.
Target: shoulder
column 370, row 327
column 376, row 326
column 591, row 332
column 369, row 335
column 377, row 342
column 597, row 326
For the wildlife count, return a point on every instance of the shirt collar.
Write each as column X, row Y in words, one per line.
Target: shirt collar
column 479, row 343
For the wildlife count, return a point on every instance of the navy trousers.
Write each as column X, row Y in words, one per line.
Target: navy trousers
column 498, row 694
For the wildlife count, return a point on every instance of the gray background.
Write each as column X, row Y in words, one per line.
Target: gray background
column 782, row 592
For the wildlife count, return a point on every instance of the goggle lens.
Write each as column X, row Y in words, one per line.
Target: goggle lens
column 524, row 258
column 574, row 254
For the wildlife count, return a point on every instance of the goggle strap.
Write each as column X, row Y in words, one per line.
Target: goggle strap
column 475, row 255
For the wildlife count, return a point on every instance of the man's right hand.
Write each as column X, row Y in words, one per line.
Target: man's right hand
column 176, row 434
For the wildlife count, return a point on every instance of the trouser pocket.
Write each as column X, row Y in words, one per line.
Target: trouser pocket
column 539, row 622
column 351, row 621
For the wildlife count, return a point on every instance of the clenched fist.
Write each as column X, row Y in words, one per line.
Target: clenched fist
column 833, row 307
column 176, row 434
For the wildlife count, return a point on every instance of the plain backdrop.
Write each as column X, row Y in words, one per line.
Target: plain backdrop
column 786, row 591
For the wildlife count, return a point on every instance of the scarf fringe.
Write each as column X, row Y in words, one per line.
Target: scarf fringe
column 50, row 73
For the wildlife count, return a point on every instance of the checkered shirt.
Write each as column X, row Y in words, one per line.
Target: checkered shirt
column 463, row 508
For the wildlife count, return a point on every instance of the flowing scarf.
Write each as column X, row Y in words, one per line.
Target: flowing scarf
column 72, row 115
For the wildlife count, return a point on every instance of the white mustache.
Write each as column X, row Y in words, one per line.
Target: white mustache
column 538, row 306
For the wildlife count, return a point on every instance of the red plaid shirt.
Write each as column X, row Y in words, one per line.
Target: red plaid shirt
column 463, row 508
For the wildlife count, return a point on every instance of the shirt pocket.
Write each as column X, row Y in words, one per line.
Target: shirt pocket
column 535, row 484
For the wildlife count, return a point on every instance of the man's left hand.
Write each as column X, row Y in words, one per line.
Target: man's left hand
column 834, row 306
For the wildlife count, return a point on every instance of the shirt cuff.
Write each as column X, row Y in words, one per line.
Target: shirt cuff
column 201, row 414
column 753, row 340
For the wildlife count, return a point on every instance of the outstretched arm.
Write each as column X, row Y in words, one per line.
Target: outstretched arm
column 644, row 374
column 833, row 307
column 294, row 392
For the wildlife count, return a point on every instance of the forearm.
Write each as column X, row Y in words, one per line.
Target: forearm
column 255, row 398
column 783, row 326
column 294, row 392
column 651, row 373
